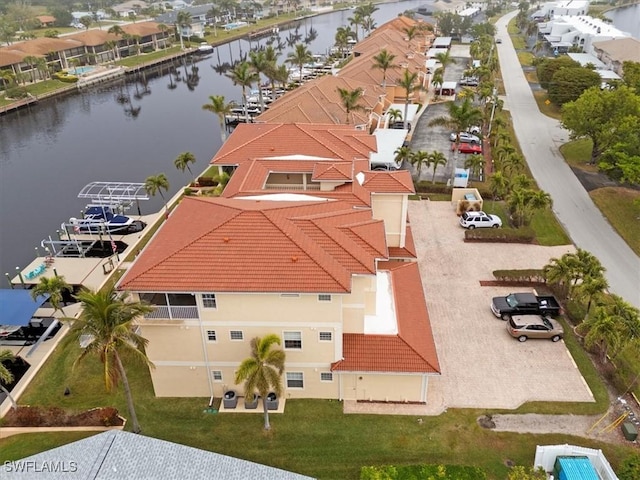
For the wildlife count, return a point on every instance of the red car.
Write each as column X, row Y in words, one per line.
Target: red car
column 469, row 148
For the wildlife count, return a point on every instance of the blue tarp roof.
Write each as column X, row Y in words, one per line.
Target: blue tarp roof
column 17, row 306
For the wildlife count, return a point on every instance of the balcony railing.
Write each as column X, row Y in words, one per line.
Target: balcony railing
column 173, row 313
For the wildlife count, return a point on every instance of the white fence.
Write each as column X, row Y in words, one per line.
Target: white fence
column 546, row 458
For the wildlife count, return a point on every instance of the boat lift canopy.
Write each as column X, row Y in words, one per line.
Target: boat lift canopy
column 110, row 193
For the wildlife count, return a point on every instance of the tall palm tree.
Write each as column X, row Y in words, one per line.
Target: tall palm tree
column 602, row 330
column 107, row 321
column 383, row 61
column 476, row 164
column 259, row 63
column 343, row 34
column 299, row 57
column 356, row 20
column 31, row 61
column 183, row 160
column 281, row 76
column 262, row 371
column 408, row 84
column 402, row 154
column 559, row 272
column 242, row 74
column 54, row 287
column 410, row 33
column 394, row 115
column 183, row 19
column 435, row 160
column 5, row 375
column 418, row 160
column 156, row 184
column 445, row 59
column 461, row 116
column 350, row 101
column 498, row 186
column 218, row 106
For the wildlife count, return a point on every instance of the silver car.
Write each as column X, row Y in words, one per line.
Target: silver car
column 464, row 137
column 524, row 327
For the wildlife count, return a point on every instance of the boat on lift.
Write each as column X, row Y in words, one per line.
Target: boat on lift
column 100, row 218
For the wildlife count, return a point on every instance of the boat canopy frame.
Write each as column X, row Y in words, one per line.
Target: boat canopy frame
column 113, row 193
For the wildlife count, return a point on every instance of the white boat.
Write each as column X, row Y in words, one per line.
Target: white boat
column 205, row 48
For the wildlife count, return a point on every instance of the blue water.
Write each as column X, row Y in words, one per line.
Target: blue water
column 626, row 19
column 80, row 70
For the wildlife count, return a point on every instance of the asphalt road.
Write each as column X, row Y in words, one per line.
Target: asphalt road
column 540, row 137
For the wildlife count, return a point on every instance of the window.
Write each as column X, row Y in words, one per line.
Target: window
column 326, row 377
column 325, row 336
column 236, row 335
column 324, row 298
column 217, row 375
column 295, row 380
column 211, row 335
column 293, row 340
column 209, row 300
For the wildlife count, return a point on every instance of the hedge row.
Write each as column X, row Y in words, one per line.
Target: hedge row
column 412, row 472
column 501, row 235
column 428, row 187
column 529, row 275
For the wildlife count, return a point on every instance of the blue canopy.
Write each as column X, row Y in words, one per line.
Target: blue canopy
column 17, row 306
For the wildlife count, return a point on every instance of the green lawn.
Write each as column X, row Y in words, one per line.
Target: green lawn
column 617, row 205
column 545, row 106
column 577, row 153
column 525, row 58
column 518, row 42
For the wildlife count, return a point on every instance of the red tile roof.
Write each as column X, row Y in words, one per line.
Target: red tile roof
column 413, row 349
column 398, row 181
column 409, row 249
column 334, row 171
column 249, row 141
column 231, row 245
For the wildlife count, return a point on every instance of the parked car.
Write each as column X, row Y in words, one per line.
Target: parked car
column 469, row 81
column 473, row 220
column 475, row 129
column 524, row 327
column 399, row 125
column 498, row 40
column 464, row 137
column 469, row 148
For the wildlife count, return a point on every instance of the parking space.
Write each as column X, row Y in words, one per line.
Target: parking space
column 482, row 365
column 430, row 138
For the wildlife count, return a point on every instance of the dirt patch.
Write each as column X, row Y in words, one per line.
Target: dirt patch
column 58, row 417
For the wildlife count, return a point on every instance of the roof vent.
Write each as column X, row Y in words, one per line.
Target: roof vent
column 294, row 258
column 226, row 239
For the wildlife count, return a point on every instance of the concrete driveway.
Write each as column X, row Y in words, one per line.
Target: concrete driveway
column 482, row 366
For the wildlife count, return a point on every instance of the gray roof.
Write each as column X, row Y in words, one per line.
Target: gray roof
column 117, row 455
column 170, row 16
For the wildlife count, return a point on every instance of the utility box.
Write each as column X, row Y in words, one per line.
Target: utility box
column 629, row 431
column 574, row 468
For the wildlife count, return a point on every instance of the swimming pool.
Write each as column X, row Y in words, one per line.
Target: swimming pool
column 233, row 25
column 80, row 70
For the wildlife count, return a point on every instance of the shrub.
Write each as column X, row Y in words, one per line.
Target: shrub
column 16, row 92
column 207, row 182
column 441, row 472
column 534, row 275
column 500, row 235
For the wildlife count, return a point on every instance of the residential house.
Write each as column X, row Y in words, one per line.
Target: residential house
column 130, row 8
column 306, row 242
column 116, row 454
column 565, row 8
column 581, row 31
column 199, row 19
column 46, row 20
column 613, row 53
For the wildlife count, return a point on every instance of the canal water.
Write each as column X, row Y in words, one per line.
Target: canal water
column 626, row 19
column 48, row 153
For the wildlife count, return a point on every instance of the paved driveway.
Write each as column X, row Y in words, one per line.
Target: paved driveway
column 482, row 366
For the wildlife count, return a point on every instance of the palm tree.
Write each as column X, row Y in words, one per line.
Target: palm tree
column 183, row 19
column 299, row 57
column 410, row 33
column 592, row 288
column 498, row 185
column 383, row 61
column 436, row 159
column 476, row 164
column 281, row 76
column 523, row 202
column 6, row 376
column 262, row 371
column 461, row 116
column 418, row 159
column 183, row 160
column 156, row 184
column 513, row 164
column 350, row 99
column 31, row 61
column 54, row 287
column 603, row 331
column 437, row 79
column 559, row 272
column 218, row 106
column 259, row 63
column 342, row 39
column 356, row 20
column 243, row 75
column 402, row 154
column 107, row 321
column 394, row 115
column 445, row 59
column 408, row 84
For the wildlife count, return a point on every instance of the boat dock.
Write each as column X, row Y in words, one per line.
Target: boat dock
column 265, row 32
column 160, row 61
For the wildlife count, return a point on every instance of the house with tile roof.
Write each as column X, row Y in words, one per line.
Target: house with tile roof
column 115, row 455
column 305, row 242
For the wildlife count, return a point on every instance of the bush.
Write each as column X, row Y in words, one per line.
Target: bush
column 207, row 182
column 500, row 235
column 16, row 92
column 532, row 275
column 441, row 472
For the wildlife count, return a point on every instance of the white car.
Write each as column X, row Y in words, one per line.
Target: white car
column 475, row 129
column 464, row 137
column 473, row 220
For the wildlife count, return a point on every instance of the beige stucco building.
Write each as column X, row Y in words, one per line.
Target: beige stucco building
column 307, row 243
